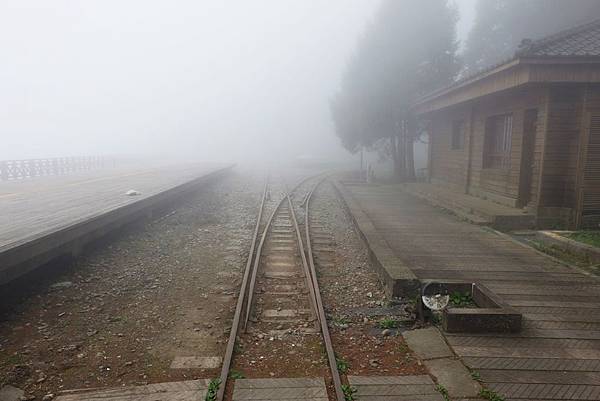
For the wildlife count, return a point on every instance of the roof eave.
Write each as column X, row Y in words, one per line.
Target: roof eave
column 421, row 105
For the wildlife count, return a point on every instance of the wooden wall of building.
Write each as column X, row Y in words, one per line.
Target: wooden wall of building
column 561, row 147
column 450, row 166
column 587, row 213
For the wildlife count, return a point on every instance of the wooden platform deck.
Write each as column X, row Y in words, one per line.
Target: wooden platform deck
column 49, row 211
column 557, row 355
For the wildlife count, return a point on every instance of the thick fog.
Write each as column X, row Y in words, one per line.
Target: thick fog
column 213, row 80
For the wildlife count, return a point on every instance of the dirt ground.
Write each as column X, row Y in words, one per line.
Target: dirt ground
column 121, row 314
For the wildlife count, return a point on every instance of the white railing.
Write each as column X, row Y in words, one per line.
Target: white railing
column 30, row 168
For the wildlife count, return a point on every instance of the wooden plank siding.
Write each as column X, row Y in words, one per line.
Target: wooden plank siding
column 565, row 92
column 588, row 153
column 451, row 166
column 562, row 141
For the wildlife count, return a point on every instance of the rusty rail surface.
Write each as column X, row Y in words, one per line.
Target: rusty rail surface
column 335, row 374
column 248, row 282
column 31, row 168
column 240, row 303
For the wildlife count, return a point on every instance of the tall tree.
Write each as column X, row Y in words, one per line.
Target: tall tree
column 409, row 49
column 501, row 25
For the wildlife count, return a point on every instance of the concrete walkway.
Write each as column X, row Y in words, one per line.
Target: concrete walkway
column 557, row 354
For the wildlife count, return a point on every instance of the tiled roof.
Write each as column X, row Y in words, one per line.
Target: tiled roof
column 583, row 40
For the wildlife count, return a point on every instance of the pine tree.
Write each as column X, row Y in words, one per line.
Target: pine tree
column 410, row 48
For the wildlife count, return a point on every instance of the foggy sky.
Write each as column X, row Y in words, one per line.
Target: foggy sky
column 206, row 80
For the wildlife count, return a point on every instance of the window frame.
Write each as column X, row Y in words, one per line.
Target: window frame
column 497, row 145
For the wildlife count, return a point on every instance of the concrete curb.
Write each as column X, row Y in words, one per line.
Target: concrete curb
column 544, row 254
column 553, row 238
column 70, row 240
column 397, row 278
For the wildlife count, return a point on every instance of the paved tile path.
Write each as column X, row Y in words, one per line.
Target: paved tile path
column 557, row 355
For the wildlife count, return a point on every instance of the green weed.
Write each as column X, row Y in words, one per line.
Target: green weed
column 340, row 321
column 213, row 388
column 388, row 323
column 342, row 365
column 349, row 392
column 234, row 374
column 442, row 390
column 475, row 375
column 587, row 237
column 490, row 395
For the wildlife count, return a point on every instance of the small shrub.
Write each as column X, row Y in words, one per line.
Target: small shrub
column 461, row 299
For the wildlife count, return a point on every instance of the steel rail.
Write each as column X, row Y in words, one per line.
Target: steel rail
column 257, row 263
column 305, row 267
column 249, row 282
column 260, row 247
column 240, row 303
column 335, row 374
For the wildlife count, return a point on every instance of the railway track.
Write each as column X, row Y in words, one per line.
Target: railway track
column 279, row 329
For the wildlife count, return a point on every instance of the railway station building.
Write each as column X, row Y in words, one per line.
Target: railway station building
column 525, row 133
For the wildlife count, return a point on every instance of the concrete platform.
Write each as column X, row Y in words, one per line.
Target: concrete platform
column 302, row 388
column 557, row 353
column 46, row 217
column 471, row 208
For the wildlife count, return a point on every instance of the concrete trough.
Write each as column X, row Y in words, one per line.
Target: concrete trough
column 492, row 315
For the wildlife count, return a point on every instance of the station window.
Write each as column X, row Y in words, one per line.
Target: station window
column 498, row 141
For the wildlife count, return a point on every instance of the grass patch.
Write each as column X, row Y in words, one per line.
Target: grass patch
column 388, row 323
column 559, row 253
column 586, row 237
